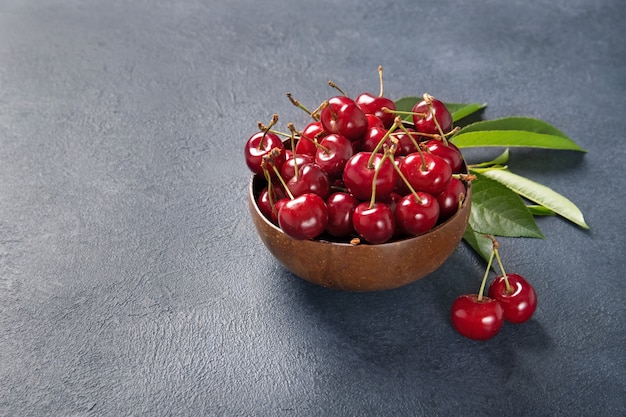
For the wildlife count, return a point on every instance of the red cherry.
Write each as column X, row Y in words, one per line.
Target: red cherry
column 306, row 143
column 358, row 176
column 447, row 151
column 416, row 217
column 344, row 117
column 520, row 303
column 263, row 200
column 333, row 153
column 304, row 217
column 432, row 175
column 450, row 198
column 311, row 179
column 372, row 121
column 373, row 135
column 371, row 104
column 277, row 206
column 426, row 124
column 406, row 146
column 375, row 224
column 288, row 170
column 259, row 145
column 341, row 206
column 477, row 319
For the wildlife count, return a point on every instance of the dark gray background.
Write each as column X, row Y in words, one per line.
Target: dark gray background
column 132, row 281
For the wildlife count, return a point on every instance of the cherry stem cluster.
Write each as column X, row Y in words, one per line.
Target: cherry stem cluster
column 496, row 253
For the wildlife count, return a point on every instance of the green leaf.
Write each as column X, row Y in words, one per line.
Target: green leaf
column 538, row 210
column 499, row 211
column 539, row 194
column 457, row 110
column 514, row 132
column 461, row 110
column 479, row 242
column 499, row 160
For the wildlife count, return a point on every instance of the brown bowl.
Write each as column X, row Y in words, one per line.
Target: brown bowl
column 361, row 267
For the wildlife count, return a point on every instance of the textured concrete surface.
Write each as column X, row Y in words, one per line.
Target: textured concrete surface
column 131, row 278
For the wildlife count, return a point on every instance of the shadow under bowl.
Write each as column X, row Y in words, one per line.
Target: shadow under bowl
column 363, row 267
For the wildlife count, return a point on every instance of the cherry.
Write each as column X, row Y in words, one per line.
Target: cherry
column 407, row 140
column 259, row 145
column 341, row 115
column 448, row 151
column 277, row 206
column 431, row 116
column 477, row 318
column 417, row 213
column 373, row 135
column 373, row 120
column 312, row 132
column 518, row 298
column 310, row 179
column 371, row 104
column 450, row 199
column 358, row 175
column 333, row 154
column 304, row 217
column 426, row 172
column 264, row 202
column 341, row 206
column 288, row 170
column 374, row 222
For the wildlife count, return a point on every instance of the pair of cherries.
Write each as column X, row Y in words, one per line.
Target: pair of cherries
column 510, row 298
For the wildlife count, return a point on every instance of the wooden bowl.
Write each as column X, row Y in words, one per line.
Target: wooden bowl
column 361, row 267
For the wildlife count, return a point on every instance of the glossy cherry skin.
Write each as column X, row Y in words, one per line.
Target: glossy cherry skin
column 341, row 206
column 374, row 224
column 288, row 170
column 433, row 176
column 257, row 146
column 344, row 117
column 371, row 138
column 427, row 124
column 449, row 152
column 519, row 304
column 306, row 144
column 406, row 146
column 450, row 199
column 333, row 154
column 372, row 121
column 265, row 204
column 304, row 217
column 358, row 177
column 415, row 217
column 477, row 320
column 311, row 179
column 371, row 104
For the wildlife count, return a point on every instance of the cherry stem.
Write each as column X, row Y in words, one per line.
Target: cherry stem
column 483, row 283
column 316, row 113
column 380, row 77
column 388, row 154
column 301, row 106
column 270, row 185
column 333, row 85
column 397, row 122
column 291, row 127
column 267, row 128
column 401, row 175
column 507, row 285
column 410, row 113
column 282, row 181
column 429, row 100
column 495, row 252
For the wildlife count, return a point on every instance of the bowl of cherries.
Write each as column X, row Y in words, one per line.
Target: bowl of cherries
column 364, row 197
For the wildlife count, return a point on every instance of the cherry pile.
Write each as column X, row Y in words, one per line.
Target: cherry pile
column 511, row 298
column 358, row 171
